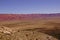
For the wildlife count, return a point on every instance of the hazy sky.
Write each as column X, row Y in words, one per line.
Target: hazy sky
column 29, row 6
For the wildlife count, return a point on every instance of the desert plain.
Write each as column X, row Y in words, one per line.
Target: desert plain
column 30, row 26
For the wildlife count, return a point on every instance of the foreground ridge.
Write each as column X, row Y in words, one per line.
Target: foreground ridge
column 8, row 34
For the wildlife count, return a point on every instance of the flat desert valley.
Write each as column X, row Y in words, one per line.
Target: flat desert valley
column 30, row 26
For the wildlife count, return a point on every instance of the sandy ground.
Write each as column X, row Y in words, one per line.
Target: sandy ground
column 39, row 29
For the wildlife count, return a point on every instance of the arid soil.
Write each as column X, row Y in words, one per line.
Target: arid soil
column 10, row 34
column 46, row 28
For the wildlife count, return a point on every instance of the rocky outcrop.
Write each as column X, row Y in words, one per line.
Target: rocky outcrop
column 9, row 34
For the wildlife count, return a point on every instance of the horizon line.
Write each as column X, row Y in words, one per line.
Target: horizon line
column 29, row 13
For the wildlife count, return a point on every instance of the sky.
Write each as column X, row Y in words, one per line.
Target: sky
column 29, row 6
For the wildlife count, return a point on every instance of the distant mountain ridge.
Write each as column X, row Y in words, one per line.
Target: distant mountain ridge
column 26, row 16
